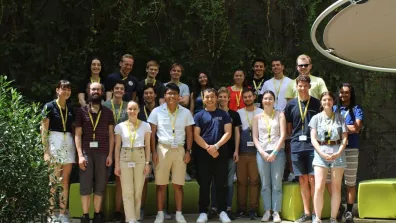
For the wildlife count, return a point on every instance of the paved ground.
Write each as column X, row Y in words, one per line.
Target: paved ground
column 193, row 217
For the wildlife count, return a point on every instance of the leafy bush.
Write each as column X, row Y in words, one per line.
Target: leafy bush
column 24, row 187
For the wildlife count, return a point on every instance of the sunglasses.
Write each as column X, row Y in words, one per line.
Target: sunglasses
column 303, row 65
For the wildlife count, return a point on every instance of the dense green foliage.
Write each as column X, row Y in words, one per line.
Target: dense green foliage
column 44, row 41
column 24, row 188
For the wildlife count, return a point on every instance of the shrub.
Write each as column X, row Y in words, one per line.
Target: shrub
column 24, row 187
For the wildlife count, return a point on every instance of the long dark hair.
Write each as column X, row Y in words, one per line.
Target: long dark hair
column 88, row 65
column 245, row 83
column 352, row 99
column 197, row 86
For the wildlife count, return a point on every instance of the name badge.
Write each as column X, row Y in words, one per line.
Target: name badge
column 131, row 164
column 302, row 138
column 250, row 143
column 93, row 144
column 327, row 150
column 257, row 105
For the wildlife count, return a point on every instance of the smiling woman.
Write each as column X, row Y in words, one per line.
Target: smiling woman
column 94, row 73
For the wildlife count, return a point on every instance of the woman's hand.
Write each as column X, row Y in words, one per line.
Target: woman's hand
column 117, row 170
column 47, row 157
column 271, row 157
column 264, row 155
column 334, row 156
column 146, row 169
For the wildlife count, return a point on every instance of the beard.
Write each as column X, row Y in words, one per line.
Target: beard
column 95, row 98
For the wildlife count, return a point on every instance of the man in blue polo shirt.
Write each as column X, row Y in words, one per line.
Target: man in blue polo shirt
column 298, row 113
column 131, row 83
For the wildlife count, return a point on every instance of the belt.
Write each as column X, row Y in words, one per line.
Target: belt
column 141, row 147
column 331, row 143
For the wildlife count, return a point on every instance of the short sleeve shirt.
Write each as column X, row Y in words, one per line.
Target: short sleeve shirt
column 246, row 136
column 236, row 122
column 125, row 130
column 184, row 89
column 102, row 129
column 120, row 115
column 235, row 97
column 350, row 116
column 318, row 86
column 144, row 113
column 159, row 89
column 278, row 87
column 52, row 112
column 322, row 123
column 163, row 120
column 84, row 84
column 131, row 83
column 293, row 116
column 256, row 85
column 212, row 124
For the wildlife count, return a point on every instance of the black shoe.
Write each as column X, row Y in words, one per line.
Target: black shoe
column 340, row 213
column 252, row 215
column 118, row 217
column 304, row 218
column 231, row 215
column 98, row 218
column 212, row 214
column 348, row 217
column 85, row 218
column 240, row 214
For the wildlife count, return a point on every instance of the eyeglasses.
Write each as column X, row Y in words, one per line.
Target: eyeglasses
column 303, row 65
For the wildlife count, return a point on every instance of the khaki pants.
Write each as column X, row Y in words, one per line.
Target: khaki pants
column 132, row 163
column 247, row 174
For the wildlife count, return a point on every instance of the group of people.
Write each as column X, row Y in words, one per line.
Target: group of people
column 254, row 129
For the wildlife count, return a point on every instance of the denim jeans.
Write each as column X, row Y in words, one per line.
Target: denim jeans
column 271, row 175
column 230, row 185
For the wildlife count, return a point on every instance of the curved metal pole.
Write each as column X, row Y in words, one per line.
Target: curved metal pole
column 327, row 53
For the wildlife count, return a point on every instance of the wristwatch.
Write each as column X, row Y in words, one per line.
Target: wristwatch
column 217, row 147
column 189, row 151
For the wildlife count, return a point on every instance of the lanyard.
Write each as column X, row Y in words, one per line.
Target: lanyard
column 301, row 112
column 132, row 138
column 277, row 89
column 145, row 112
column 93, row 81
column 96, row 122
column 238, row 96
column 329, row 128
column 249, row 120
column 116, row 117
column 64, row 118
column 346, row 114
column 145, row 82
column 268, row 123
column 257, row 87
column 173, row 120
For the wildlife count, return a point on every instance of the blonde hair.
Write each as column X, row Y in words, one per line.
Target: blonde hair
column 152, row 63
column 126, row 56
column 223, row 90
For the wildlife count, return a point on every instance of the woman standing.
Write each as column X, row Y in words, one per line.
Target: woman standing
column 94, row 74
column 329, row 138
column 202, row 82
column 269, row 133
column 132, row 160
column 59, row 150
column 236, row 101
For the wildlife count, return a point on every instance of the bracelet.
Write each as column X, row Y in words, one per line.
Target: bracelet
column 275, row 152
column 147, row 163
column 217, row 147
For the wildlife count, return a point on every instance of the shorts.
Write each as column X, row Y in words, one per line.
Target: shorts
column 302, row 163
column 170, row 161
column 62, row 148
column 96, row 172
column 350, row 172
column 340, row 162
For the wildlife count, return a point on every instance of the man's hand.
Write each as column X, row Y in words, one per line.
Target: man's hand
column 82, row 162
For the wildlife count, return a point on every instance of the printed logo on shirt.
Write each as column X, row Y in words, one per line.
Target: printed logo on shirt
column 218, row 118
column 130, row 83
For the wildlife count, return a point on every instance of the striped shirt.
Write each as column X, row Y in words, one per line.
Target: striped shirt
column 102, row 129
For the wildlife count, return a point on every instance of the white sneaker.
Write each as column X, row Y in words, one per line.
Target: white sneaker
column 291, row 177
column 223, row 217
column 167, row 216
column 235, row 178
column 51, row 219
column 266, row 216
column 203, row 218
column 180, row 218
column 276, row 217
column 187, row 178
column 159, row 218
column 63, row 218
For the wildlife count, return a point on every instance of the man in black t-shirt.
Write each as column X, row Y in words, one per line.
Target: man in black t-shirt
column 256, row 81
column 131, row 83
column 152, row 69
column 212, row 130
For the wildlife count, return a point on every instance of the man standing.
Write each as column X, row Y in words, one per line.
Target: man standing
column 95, row 143
column 247, row 171
column 211, row 132
column 175, row 73
column 298, row 113
column 257, row 80
column 131, row 83
column 172, row 124
column 152, row 69
column 118, row 107
column 304, row 66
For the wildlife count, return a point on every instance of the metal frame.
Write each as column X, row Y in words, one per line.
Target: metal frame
column 327, row 53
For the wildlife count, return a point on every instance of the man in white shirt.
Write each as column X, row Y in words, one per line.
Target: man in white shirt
column 172, row 124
